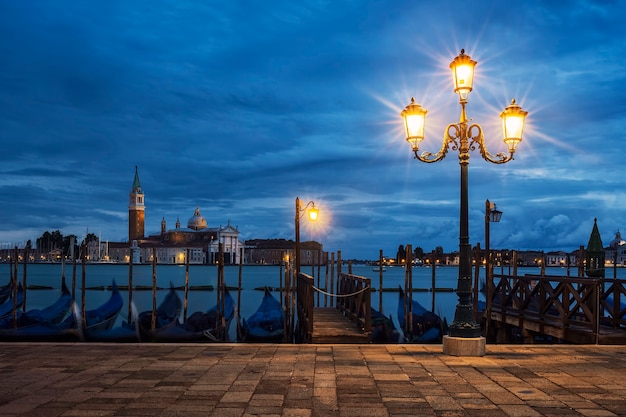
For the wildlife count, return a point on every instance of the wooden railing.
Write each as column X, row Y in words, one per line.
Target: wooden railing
column 354, row 300
column 613, row 300
column 305, row 303
column 557, row 305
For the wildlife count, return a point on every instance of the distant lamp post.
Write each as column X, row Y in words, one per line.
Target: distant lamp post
column 301, row 211
column 464, row 137
column 492, row 215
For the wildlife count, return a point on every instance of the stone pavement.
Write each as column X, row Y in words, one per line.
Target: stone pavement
column 309, row 380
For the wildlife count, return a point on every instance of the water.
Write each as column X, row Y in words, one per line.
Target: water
column 253, row 277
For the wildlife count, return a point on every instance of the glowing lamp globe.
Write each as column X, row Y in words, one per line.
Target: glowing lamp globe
column 414, row 117
column 463, row 74
column 513, row 125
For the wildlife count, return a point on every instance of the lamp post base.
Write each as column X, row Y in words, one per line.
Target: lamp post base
column 464, row 346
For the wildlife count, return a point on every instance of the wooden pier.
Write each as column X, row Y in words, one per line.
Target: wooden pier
column 330, row 325
column 348, row 322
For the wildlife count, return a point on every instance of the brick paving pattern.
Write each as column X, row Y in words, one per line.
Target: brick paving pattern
column 236, row 380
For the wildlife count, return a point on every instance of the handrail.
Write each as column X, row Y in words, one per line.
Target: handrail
column 354, row 299
column 564, row 301
column 321, row 291
column 305, row 303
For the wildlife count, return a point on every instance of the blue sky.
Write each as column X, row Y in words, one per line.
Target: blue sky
column 238, row 107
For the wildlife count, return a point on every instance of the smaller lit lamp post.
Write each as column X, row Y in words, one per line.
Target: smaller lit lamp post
column 464, row 137
column 300, row 212
column 492, row 215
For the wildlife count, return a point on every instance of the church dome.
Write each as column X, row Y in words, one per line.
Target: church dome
column 196, row 222
column 618, row 241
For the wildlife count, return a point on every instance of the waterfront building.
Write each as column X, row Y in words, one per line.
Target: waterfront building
column 275, row 252
column 616, row 251
column 136, row 210
column 560, row 258
column 196, row 243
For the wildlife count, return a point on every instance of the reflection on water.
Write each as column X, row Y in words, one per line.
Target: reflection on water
column 253, row 277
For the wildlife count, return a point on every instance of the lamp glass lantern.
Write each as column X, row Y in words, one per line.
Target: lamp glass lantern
column 313, row 213
column 513, row 118
column 463, row 74
column 414, row 117
column 495, row 215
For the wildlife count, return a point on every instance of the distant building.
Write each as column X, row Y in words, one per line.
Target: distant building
column 616, row 251
column 559, row 258
column 274, row 251
column 170, row 246
column 136, row 210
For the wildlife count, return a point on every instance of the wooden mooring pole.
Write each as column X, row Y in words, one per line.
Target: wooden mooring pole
column 130, row 286
column 154, row 289
column 380, row 280
column 186, row 301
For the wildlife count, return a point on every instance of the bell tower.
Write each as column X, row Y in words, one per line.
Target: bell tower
column 136, row 211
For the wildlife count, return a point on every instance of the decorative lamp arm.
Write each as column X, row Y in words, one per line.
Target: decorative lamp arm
column 449, row 141
column 479, row 139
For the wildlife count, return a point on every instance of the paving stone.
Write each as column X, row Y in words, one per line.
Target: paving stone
column 230, row 380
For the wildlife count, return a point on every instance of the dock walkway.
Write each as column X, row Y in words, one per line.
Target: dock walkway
column 331, row 326
column 309, row 380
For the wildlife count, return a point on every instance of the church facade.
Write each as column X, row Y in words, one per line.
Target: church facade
column 196, row 243
column 616, row 252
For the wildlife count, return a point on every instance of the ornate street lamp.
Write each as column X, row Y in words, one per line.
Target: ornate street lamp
column 300, row 211
column 464, row 137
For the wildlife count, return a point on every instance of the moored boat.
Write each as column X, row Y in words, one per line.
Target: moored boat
column 104, row 317
column 383, row 328
column 126, row 332
column 5, row 292
column 212, row 325
column 426, row 326
column 50, row 323
column 99, row 319
column 267, row 324
column 6, row 308
column 167, row 313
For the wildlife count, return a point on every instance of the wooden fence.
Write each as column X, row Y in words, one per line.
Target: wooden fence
column 574, row 309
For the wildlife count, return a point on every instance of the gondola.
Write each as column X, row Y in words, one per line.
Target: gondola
column 100, row 319
column 167, row 313
column 5, row 292
column 30, row 327
column 104, row 317
column 427, row 327
column 6, row 308
column 200, row 326
column 126, row 332
column 383, row 328
column 267, row 324
column 50, row 323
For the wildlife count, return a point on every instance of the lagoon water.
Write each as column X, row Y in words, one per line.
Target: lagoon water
column 253, row 277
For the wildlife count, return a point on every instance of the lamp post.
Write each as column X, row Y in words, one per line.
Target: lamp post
column 491, row 215
column 464, row 137
column 300, row 211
